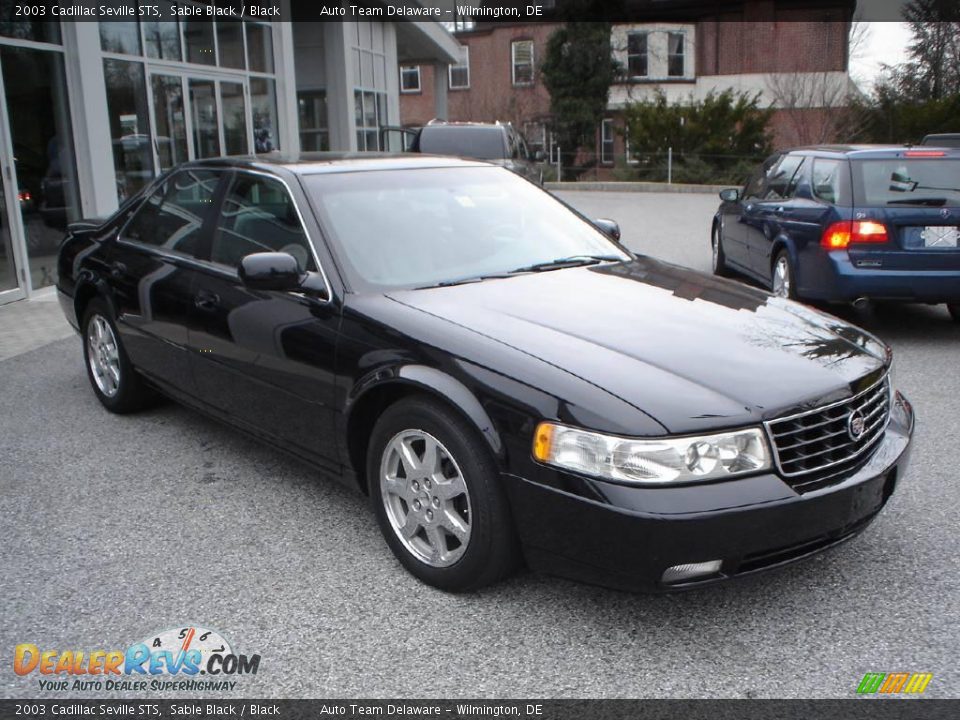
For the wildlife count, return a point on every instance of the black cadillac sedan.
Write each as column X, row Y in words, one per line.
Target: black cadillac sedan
column 498, row 374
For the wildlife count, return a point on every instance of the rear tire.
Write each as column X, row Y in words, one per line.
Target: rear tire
column 719, row 259
column 435, row 490
column 114, row 381
column 781, row 276
column 954, row 309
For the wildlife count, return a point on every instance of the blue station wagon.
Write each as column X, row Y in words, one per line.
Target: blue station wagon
column 847, row 224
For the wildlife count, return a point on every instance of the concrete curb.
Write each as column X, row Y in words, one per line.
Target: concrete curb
column 634, row 187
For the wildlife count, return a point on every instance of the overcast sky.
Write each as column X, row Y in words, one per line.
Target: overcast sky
column 886, row 42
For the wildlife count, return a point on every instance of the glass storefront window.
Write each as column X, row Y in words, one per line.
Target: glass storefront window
column 230, row 44
column 312, row 112
column 129, row 125
column 198, row 36
column 370, row 113
column 169, row 120
column 206, row 127
column 22, row 28
column 234, row 118
column 42, row 135
column 120, row 36
column 162, row 37
column 260, row 47
column 263, row 103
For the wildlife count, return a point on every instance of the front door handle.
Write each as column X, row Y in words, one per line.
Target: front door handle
column 206, row 300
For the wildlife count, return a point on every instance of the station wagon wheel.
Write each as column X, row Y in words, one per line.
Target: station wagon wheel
column 719, row 259
column 434, row 488
column 781, row 281
column 115, row 382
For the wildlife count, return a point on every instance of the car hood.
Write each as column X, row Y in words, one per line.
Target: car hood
column 691, row 350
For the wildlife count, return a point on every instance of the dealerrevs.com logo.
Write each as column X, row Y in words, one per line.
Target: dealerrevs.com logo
column 170, row 660
column 894, row 683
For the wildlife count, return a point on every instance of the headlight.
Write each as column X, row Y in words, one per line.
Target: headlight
column 655, row 462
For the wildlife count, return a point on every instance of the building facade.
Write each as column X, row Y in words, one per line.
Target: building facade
column 795, row 58
column 92, row 111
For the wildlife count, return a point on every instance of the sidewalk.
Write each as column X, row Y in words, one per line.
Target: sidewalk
column 29, row 324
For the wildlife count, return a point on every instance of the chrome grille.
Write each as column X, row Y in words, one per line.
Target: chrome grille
column 817, row 446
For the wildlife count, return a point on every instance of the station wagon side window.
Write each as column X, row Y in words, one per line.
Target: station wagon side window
column 172, row 217
column 258, row 215
column 755, row 185
column 826, row 179
column 779, row 179
column 802, row 170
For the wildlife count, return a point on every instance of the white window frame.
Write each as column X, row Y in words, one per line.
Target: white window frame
column 683, row 53
column 646, row 53
column 513, row 63
column 410, row 91
column 465, row 64
column 606, row 159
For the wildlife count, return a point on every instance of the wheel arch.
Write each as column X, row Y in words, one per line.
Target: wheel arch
column 88, row 288
column 373, row 396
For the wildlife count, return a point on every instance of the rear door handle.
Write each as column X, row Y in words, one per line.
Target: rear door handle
column 206, row 300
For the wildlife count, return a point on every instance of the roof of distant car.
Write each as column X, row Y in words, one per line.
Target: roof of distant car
column 310, row 163
column 879, row 151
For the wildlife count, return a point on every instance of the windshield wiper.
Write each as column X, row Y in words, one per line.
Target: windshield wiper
column 919, row 201
column 567, row 262
column 465, row 280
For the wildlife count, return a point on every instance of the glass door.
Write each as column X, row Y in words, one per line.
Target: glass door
column 169, row 120
column 9, row 266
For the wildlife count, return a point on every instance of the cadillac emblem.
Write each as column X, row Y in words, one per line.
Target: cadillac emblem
column 856, row 425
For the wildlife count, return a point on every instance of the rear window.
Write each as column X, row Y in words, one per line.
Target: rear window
column 471, row 142
column 933, row 182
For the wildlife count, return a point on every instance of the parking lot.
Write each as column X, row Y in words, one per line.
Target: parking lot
column 118, row 527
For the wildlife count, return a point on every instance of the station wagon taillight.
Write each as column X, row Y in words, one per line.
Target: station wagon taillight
column 846, row 232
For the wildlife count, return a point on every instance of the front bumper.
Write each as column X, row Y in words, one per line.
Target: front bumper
column 626, row 537
column 834, row 276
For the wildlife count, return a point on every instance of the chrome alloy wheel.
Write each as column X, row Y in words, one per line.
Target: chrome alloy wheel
column 426, row 498
column 781, row 277
column 103, row 355
column 716, row 251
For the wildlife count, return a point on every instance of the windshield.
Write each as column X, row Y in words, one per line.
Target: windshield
column 907, row 181
column 483, row 143
column 423, row 227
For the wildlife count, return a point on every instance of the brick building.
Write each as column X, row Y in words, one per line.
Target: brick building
column 795, row 54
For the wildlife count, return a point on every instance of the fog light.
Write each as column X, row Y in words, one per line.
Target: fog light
column 679, row 573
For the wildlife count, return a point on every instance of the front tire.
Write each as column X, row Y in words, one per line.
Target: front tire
column 781, row 277
column 435, row 492
column 719, row 259
column 115, row 383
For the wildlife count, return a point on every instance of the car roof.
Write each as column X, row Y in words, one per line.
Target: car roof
column 870, row 151
column 312, row 163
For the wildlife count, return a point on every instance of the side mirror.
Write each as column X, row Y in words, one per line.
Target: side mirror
column 608, row 228
column 730, row 194
column 271, row 271
column 538, row 156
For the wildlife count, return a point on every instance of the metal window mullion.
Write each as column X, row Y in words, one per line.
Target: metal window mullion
column 188, row 117
column 18, row 234
column 152, row 121
column 220, row 118
column 248, row 116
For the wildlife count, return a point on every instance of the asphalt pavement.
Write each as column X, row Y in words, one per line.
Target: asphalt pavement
column 115, row 528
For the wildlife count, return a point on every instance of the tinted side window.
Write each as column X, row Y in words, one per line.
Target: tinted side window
column 171, row 218
column 803, row 170
column 778, row 179
column 757, row 181
column 826, row 179
column 258, row 215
